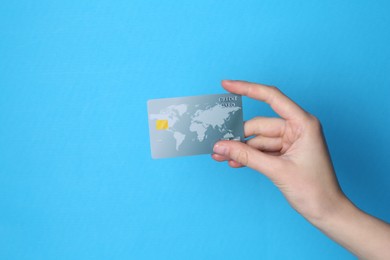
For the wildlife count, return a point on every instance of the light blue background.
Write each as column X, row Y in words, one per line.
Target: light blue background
column 76, row 177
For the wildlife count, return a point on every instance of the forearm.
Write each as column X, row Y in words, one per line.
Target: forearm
column 365, row 236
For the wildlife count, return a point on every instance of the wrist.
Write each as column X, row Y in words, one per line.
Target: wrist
column 331, row 212
column 336, row 215
column 365, row 236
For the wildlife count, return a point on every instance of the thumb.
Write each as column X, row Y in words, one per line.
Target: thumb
column 248, row 156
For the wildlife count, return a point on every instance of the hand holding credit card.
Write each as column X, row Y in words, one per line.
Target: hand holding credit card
column 192, row 125
column 290, row 150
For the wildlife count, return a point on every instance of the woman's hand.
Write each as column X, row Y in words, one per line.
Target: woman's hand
column 291, row 151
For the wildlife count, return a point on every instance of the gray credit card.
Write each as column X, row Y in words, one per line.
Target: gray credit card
column 192, row 125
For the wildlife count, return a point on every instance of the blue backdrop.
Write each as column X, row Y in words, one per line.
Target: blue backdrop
column 77, row 178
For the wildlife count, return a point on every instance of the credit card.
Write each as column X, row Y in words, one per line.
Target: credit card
column 192, row 125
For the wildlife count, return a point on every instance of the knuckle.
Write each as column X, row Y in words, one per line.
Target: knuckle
column 274, row 89
column 242, row 157
column 274, row 92
column 255, row 121
column 314, row 122
column 249, row 90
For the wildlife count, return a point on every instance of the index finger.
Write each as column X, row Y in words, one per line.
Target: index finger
column 279, row 102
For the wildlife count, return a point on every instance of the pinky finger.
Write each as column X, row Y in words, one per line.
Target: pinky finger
column 221, row 158
column 235, row 164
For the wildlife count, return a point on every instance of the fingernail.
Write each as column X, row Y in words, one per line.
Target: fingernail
column 220, row 149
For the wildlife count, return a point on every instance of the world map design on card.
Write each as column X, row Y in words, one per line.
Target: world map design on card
column 192, row 125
